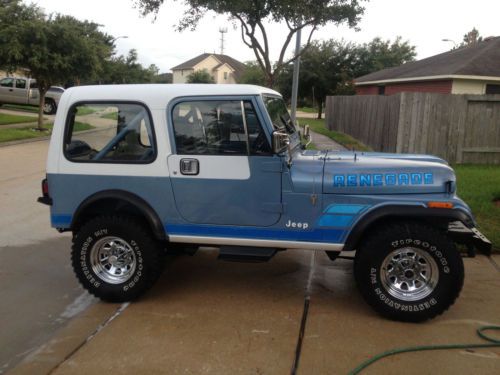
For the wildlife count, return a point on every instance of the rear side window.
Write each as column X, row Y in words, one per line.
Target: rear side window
column 218, row 127
column 109, row 133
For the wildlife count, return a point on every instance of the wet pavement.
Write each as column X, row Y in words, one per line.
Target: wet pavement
column 215, row 317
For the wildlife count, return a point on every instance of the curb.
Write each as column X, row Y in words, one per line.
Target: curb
column 21, row 141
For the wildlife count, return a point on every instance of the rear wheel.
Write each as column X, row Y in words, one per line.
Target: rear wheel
column 409, row 271
column 116, row 258
column 49, row 107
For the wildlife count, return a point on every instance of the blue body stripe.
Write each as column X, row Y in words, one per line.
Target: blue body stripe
column 335, row 220
column 344, row 208
column 315, row 235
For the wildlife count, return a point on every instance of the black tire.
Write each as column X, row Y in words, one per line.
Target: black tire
column 135, row 263
column 49, row 107
column 409, row 271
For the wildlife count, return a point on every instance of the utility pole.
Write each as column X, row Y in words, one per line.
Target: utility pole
column 295, row 82
column 222, row 31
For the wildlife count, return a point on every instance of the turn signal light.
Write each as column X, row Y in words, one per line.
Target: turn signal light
column 440, row 205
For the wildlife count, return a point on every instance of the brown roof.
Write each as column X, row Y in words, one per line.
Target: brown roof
column 482, row 59
column 238, row 66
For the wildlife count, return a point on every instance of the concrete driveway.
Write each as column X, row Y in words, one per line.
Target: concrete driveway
column 207, row 316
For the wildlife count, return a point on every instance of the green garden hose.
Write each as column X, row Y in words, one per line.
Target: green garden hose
column 493, row 342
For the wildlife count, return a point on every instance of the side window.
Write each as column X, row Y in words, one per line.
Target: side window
column 109, row 133
column 7, row 82
column 20, row 83
column 33, row 85
column 217, row 127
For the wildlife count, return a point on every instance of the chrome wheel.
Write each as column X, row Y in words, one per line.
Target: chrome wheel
column 409, row 274
column 113, row 260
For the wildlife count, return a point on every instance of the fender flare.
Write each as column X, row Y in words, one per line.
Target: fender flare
column 406, row 211
column 140, row 204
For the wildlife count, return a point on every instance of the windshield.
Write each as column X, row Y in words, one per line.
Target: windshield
column 279, row 114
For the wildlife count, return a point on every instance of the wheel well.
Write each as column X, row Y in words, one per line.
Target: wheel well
column 437, row 218
column 136, row 207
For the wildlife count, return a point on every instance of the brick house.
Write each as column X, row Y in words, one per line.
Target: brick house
column 222, row 68
column 466, row 70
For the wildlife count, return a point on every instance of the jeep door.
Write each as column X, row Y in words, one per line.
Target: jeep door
column 222, row 169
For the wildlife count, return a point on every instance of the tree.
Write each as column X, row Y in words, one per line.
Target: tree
column 253, row 74
column 252, row 15
column 380, row 54
column 200, row 76
column 54, row 49
column 127, row 69
column 471, row 38
column 330, row 67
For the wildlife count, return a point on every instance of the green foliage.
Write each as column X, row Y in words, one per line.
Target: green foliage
column 479, row 186
column 253, row 15
column 471, row 38
column 253, row 75
column 330, row 67
column 200, row 76
column 127, row 69
column 380, row 54
column 6, row 119
column 55, row 49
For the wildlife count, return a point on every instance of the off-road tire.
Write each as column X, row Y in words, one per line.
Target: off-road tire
column 127, row 233
column 379, row 270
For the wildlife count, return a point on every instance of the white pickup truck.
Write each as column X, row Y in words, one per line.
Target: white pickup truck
column 16, row 90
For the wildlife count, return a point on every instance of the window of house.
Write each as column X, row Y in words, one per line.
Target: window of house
column 109, row 133
column 20, row 83
column 225, row 75
column 381, row 90
column 218, row 127
column 492, row 89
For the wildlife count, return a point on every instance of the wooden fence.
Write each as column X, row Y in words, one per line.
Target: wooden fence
column 458, row 128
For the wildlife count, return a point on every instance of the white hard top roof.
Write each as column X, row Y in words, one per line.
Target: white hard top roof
column 158, row 95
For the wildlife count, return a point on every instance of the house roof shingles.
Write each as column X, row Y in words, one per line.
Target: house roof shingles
column 483, row 59
column 238, row 66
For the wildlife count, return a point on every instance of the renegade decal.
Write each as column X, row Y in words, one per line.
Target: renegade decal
column 380, row 179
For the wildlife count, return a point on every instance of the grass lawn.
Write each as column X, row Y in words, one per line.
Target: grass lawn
column 479, row 186
column 20, row 107
column 111, row 115
column 82, row 111
column 14, row 119
column 7, row 135
column 318, row 126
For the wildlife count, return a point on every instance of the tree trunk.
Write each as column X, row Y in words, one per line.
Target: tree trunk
column 41, row 102
column 320, row 108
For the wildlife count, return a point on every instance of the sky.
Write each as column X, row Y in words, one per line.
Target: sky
column 424, row 23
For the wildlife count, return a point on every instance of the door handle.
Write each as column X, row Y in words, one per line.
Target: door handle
column 11, row 89
column 189, row 167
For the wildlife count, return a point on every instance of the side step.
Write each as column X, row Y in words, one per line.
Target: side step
column 246, row 253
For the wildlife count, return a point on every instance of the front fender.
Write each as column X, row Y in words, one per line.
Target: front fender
column 404, row 211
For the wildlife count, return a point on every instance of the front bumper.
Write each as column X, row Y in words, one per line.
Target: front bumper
column 471, row 237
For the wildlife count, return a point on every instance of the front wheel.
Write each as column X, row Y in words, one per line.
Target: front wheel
column 409, row 271
column 116, row 258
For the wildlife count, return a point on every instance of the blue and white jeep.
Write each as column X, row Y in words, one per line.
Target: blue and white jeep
column 167, row 166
